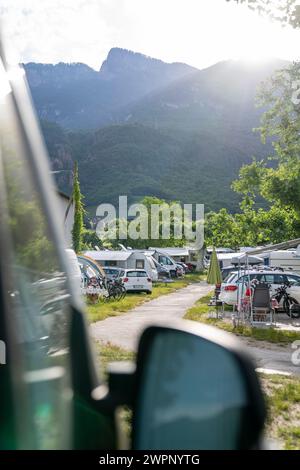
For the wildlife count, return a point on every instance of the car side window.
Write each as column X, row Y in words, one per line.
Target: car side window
column 268, row 278
column 294, row 280
column 279, row 279
column 36, row 294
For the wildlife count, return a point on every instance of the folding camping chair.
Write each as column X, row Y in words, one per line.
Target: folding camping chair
column 262, row 309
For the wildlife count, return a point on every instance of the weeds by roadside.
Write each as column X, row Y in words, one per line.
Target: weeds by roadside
column 106, row 353
column 282, row 392
column 283, row 402
column 199, row 312
column 282, row 395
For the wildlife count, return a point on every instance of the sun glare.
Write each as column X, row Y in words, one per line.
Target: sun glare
column 256, row 38
column 196, row 32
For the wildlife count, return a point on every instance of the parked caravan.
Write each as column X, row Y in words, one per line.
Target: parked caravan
column 284, row 259
column 125, row 259
column 150, row 267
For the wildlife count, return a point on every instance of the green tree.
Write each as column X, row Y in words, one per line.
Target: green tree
column 221, row 229
column 277, row 178
column 112, row 233
column 78, row 212
column 90, row 239
column 250, row 227
column 285, row 11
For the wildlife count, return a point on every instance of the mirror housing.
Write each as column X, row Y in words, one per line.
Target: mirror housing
column 195, row 389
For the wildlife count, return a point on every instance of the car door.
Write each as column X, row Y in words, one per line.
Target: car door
column 274, row 280
column 49, row 374
column 292, row 279
column 294, row 289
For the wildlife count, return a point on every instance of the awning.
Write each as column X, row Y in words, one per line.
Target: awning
column 109, row 255
column 278, row 246
column 172, row 251
column 244, row 258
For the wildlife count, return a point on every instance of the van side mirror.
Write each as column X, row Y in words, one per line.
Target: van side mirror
column 195, row 389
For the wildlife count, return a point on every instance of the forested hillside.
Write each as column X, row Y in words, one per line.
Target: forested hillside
column 166, row 130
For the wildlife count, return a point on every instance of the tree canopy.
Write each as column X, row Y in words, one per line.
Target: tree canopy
column 285, row 11
column 277, row 178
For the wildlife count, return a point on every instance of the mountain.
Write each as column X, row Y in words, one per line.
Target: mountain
column 78, row 97
column 214, row 98
column 166, row 130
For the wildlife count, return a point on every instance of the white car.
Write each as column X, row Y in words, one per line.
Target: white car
column 236, row 283
column 136, row 280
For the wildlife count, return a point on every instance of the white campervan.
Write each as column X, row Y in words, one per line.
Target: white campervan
column 167, row 262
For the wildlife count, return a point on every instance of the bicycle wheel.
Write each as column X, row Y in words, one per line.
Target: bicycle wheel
column 112, row 292
column 124, row 292
column 118, row 294
column 287, row 305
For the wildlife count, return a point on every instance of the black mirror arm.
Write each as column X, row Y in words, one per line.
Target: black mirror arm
column 120, row 389
column 121, row 375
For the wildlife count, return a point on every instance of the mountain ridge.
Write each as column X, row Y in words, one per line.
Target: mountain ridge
column 143, row 128
column 77, row 96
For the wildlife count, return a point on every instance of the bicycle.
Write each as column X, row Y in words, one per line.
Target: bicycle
column 290, row 305
column 115, row 289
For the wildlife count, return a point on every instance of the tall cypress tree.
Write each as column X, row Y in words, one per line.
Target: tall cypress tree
column 78, row 212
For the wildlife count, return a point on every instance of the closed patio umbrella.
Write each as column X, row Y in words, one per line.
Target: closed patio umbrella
column 214, row 275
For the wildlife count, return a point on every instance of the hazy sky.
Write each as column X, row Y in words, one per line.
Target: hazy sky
column 198, row 32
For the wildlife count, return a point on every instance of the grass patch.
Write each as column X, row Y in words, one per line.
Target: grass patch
column 199, row 313
column 104, row 310
column 282, row 395
column 106, row 353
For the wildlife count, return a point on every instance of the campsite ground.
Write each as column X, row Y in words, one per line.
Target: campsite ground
column 117, row 338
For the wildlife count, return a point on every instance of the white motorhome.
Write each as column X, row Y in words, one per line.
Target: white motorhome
column 285, row 259
column 182, row 254
column 164, row 260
